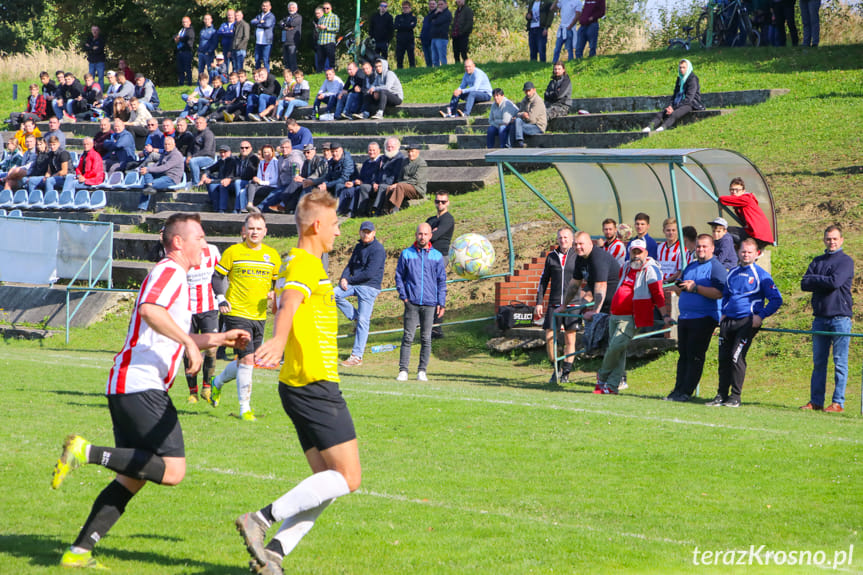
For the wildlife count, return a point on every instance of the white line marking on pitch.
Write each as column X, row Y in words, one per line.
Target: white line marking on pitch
column 438, row 505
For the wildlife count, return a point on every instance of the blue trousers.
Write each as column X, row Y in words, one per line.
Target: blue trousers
column 262, row 56
column 329, row 102
column 537, row 43
column 564, row 42
column 820, row 356
column 204, row 61
column 587, row 35
column 438, row 48
column 366, row 297
column 184, row 67
column 97, row 70
column 349, row 104
column 470, row 98
column 501, row 133
column 239, row 59
column 286, row 107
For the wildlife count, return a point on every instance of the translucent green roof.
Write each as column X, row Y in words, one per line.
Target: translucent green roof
column 618, row 184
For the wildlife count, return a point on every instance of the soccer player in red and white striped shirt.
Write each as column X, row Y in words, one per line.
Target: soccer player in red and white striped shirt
column 668, row 252
column 612, row 243
column 147, row 434
column 205, row 316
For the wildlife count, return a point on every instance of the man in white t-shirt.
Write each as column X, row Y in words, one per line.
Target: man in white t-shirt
column 569, row 11
column 147, row 434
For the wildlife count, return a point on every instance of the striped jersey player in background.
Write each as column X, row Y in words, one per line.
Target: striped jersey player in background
column 147, row 434
column 203, row 301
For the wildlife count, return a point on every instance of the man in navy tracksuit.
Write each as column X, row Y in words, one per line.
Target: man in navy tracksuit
column 743, row 309
column 829, row 278
column 421, row 283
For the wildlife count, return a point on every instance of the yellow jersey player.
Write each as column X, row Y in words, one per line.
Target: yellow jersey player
column 305, row 330
column 249, row 270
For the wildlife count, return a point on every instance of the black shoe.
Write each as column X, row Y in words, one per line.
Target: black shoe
column 564, row 378
column 520, row 144
column 716, row 401
column 437, row 332
column 553, row 379
column 731, row 402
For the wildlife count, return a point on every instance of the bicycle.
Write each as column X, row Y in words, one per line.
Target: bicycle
column 726, row 22
column 684, row 43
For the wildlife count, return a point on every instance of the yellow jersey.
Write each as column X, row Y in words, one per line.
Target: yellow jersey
column 311, row 354
column 251, row 274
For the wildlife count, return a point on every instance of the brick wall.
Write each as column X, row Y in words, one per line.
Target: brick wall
column 522, row 285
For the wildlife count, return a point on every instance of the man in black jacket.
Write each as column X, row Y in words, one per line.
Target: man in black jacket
column 362, row 277
column 218, row 178
column 381, row 30
column 264, row 94
column 313, row 167
column 405, row 24
column 442, row 226
column 558, row 94
column 556, row 275
column 292, row 31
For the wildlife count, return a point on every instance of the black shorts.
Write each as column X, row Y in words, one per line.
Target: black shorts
column 569, row 323
column 205, row 322
column 255, row 327
column 148, row 421
column 319, row 413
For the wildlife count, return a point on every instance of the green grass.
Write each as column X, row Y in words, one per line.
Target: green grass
column 482, row 470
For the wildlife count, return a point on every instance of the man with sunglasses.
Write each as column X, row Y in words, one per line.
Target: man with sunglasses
column 328, row 28
column 442, row 226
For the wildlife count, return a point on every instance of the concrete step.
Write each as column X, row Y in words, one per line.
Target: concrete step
column 598, row 123
column 125, row 273
column 278, row 225
column 131, row 219
column 577, row 140
column 370, row 128
column 137, row 246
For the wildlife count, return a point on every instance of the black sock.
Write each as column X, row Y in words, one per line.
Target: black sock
column 191, row 380
column 267, row 513
column 209, row 368
column 566, row 368
column 107, row 509
column 276, row 547
column 135, row 463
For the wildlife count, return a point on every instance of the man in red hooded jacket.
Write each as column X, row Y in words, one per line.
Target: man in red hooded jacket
column 748, row 211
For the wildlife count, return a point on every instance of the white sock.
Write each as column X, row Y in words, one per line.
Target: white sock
column 244, row 386
column 310, row 493
column 229, row 373
column 293, row 529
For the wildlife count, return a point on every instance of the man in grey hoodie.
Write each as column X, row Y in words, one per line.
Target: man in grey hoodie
column 499, row 116
column 385, row 90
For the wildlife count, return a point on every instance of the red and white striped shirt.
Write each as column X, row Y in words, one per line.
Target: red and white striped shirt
column 668, row 259
column 617, row 249
column 148, row 359
column 201, row 296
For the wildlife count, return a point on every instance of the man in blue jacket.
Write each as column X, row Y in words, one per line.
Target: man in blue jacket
column 743, row 309
column 829, row 278
column 264, row 23
column 120, row 147
column 362, row 278
column 421, row 283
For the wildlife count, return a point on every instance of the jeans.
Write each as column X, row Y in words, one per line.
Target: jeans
column 348, row 104
column 820, row 352
column 262, row 56
column 438, row 49
column 97, row 70
column 240, row 193
column 366, row 297
column 422, row 316
column 693, row 339
column 427, row 54
column 519, row 129
column 289, row 56
column 184, row 67
column 328, row 101
column 501, row 133
column 204, row 61
column 239, row 59
column 470, row 98
column 811, row 22
column 325, row 57
column 563, row 42
column 621, row 329
column 783, row 13
column 257, row 103
column 537, row 43
column 160, row 183
column 286, row 107
column 197, row 164
column 587, row 35
column 71, row 184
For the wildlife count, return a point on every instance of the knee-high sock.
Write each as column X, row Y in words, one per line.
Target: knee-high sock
column 209, row 366
column 107, row 509
column 191, row 380
column 244, row 386
column 130, row 462
column 293, row 529
column 310, row 493
column 228, row 374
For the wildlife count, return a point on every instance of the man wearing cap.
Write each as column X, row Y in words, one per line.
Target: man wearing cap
column 381, row 29
column 362, row 277
column 313, row 167
column 724, row 250
column 640, row 289
column 411, row 184
column 531, row 118
column 700, row 288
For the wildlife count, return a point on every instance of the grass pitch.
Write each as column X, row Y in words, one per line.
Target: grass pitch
column 482, row 470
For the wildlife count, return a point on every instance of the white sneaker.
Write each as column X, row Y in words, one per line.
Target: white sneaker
column 421, row 376
column 403, row 376
column 660, row 129
column 327, row 118
column 646, row 130
column 622, row 385
column 379, row 115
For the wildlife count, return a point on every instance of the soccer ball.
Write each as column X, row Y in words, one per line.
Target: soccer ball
column 471, row 256
column 624, row 232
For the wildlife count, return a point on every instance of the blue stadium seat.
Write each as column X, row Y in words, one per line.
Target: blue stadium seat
column 73, row 160
column 51, row 200
column 114, row 181
column 82, row 200
column 98, row 200
column 19, row 200
column 66, row 201
column 2, row 213
column 132, row 181
column 5, row 198
column 15, row 214
column 35, row 201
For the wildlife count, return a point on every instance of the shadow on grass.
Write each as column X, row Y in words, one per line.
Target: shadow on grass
column 46, row 551
column 843, row 171
column 76, row 393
